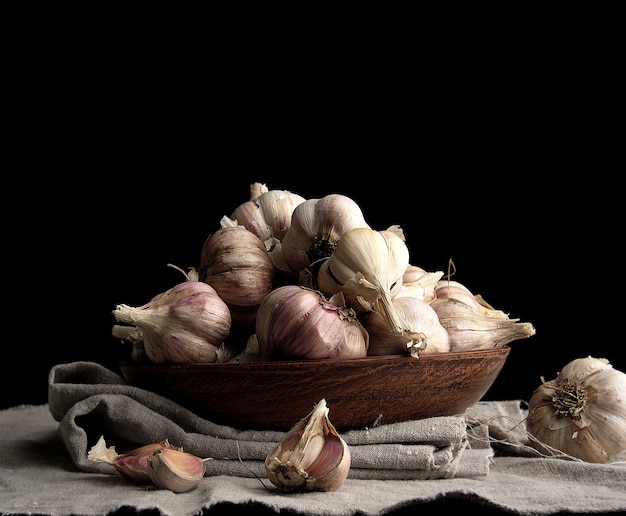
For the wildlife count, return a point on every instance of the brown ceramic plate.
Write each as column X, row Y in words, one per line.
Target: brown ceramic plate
column 359, row 393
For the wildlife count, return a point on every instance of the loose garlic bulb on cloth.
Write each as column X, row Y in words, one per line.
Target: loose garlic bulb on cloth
column 582, row 412
column 312, row 456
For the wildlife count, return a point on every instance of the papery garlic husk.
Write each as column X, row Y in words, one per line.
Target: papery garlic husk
column 470, row 328
column 582, row 412
column 367, row 266
column 184, row 325
column 312, row 456
column 419, row 283
column 175, row 470
column 455, row 289
column 132, row 465
column 134, row 336
column 316, row 226
column 299, row 322
column 236, row 264
column 250, row 353
column 421, row 330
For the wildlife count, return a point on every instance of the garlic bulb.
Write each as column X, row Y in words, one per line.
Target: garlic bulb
column 469, row 327
column 185, row 324
column 450, row 288
column 421, row 330
column 368, row 266
column 316, row 226
column 268, row 215
column 236, row 264
column 298, row 322
column 312, row 456
column 175, row 470
column 582, row 412
column 268, row 212
column 418, row 283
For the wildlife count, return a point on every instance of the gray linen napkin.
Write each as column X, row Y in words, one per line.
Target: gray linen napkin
column 90, row 401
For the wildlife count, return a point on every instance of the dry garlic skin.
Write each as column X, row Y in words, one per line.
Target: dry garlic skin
column 582, row 412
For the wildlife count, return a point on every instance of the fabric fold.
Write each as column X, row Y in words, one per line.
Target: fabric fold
column 90, row 401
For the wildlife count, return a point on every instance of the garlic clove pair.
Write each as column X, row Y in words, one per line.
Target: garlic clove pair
column 161, row 464
column 132, row 465
column 367, row 266
column 312, row 456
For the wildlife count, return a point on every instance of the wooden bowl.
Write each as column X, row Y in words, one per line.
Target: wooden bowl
column 359, row 392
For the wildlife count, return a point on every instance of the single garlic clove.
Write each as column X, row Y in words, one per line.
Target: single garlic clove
column 175, row 470
column 312, row 456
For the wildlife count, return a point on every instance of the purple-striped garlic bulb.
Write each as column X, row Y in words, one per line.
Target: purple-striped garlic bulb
column 235, row 263
column 186, row 324
column 296, row 322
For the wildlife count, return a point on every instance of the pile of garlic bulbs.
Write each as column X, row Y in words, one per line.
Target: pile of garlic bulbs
column 309, row 279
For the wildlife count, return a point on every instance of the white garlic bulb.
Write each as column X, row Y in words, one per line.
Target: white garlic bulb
column 422, row 331
column 166, row 466
column 316, row 226
column 470, row 327
column 312, row 456
column 268, row 215
column 582, row 412
column 367, row 266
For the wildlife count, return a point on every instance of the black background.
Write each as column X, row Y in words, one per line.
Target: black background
column 508, row 170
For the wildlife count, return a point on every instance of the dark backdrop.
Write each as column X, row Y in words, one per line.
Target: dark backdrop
column 509, row 171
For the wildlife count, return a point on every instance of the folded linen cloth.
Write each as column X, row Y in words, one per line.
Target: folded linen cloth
column 90, row 401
